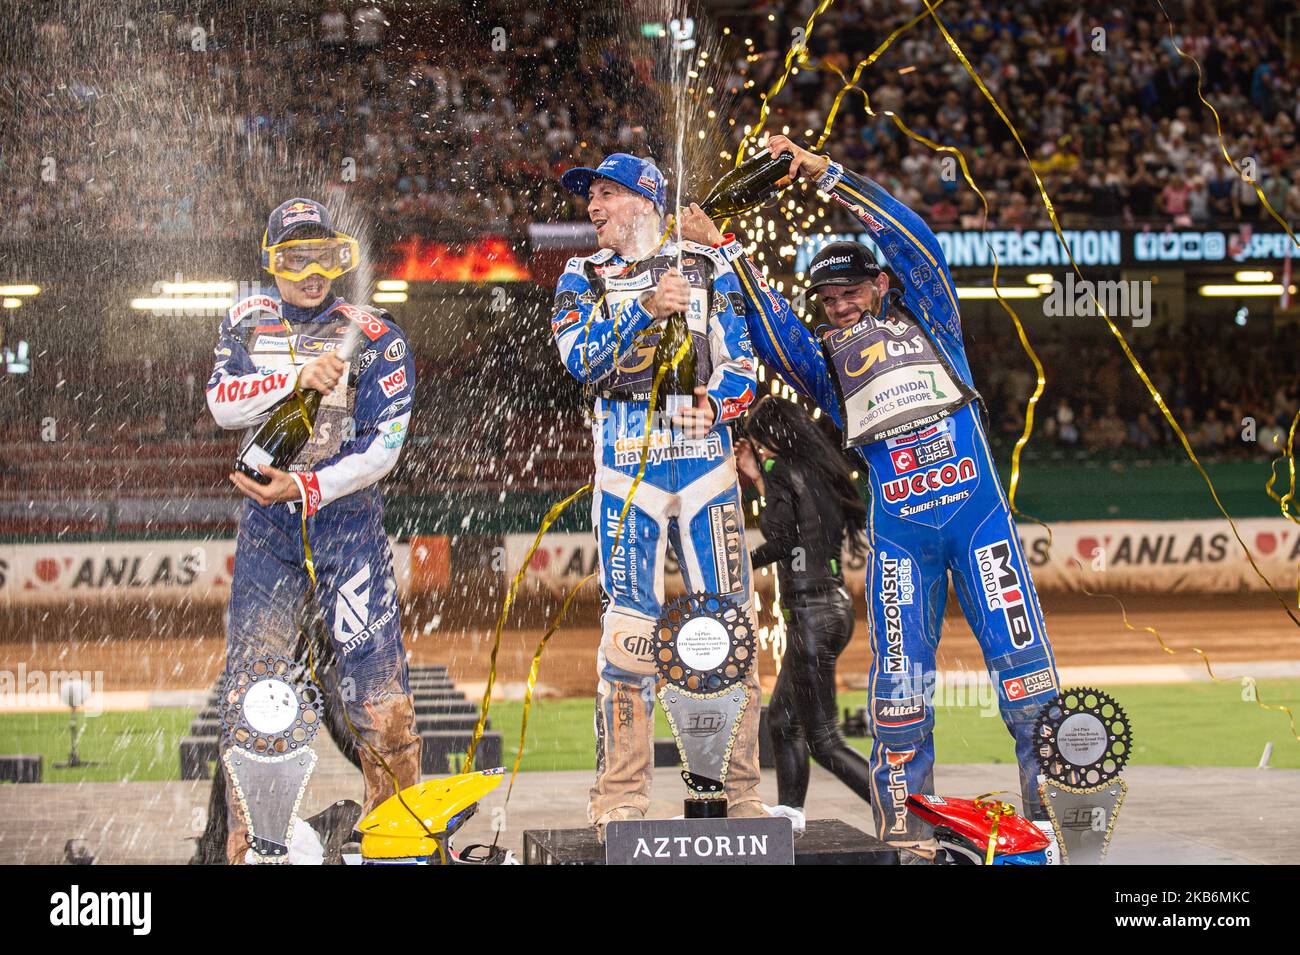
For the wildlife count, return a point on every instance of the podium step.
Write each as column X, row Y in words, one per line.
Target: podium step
column 824, row 842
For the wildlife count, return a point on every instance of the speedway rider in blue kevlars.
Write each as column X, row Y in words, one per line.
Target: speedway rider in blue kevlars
column 267, row 345
column 609, row 311
column 891, row 371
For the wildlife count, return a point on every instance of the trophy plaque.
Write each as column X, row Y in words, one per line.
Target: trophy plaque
column 1083, row 740
column 704, row 648
column 270, row 712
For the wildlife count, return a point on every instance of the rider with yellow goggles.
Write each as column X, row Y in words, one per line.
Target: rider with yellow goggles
column 300, row 242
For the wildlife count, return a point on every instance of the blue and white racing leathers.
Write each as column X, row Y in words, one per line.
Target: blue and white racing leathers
column 358, row 436
column 688, row 499
column 900, row 389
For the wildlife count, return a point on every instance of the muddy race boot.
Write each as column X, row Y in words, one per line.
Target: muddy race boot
column 336, row 827
column 616, row 815
column 743, row 773
column 749, row 809
column 624, row 749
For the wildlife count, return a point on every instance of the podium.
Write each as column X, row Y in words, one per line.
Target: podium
column 824, row 842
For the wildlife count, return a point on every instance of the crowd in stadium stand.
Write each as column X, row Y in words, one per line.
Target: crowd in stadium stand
column 430, row 129
column 424, row 128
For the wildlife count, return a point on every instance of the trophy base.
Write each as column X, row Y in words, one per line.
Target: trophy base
column 705, row 809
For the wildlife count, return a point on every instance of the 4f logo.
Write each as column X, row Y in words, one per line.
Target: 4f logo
column 352, row 606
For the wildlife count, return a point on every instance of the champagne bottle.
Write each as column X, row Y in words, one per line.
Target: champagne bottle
column 744, row 188
column 748, row 186
column 680, row 380
column 288, row 428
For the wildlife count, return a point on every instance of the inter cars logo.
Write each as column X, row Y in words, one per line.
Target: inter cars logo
column 1004, row 590
column 1031, row 684
column 924, row 482
column 914, row 451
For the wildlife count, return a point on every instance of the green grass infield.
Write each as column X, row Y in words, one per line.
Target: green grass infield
column 1179, row 724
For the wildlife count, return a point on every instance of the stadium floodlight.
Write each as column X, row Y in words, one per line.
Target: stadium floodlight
column 985, row 291
column 1240, row 291
column 387, row 297
column 392, row 285
column 13, row 303
column 23, row 291
column 1253, row 276
column 180, row 304
column 196, row 288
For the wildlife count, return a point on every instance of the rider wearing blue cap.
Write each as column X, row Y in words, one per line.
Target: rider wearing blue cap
column 609, row 312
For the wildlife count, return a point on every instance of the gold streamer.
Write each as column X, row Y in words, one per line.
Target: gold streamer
column 857, row 74
column 1205, row 659
column 1041, row 379
column 995, row 810
column 1232, row 164
column 796, row 53
column 551, row 515
column 1114, row 329
column 1286, row 501
column 545, row 525
column 618, row 339
column 532, row 677
column 1223, row 145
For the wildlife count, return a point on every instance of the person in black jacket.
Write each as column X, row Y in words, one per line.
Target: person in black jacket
column 811, row 504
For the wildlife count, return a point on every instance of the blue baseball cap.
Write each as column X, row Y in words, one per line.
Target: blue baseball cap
column 640, row 175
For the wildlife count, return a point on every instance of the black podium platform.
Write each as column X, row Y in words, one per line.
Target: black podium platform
column 824, row 842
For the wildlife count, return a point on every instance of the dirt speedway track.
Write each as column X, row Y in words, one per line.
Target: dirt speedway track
column 1085, row 631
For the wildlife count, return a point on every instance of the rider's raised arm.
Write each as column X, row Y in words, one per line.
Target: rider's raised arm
column 780, row 339
column 909, row 245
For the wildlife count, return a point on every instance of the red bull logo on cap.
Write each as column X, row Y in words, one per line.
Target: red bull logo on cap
column 300, row 212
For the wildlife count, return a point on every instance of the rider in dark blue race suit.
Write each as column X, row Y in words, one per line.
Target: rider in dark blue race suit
column 892, row 374
column 266, row 346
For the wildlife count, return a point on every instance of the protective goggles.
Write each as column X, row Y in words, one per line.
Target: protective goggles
column 298, row 258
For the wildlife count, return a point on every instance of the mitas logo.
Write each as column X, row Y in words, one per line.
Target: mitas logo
column 1004, row 590
column 923, row 482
